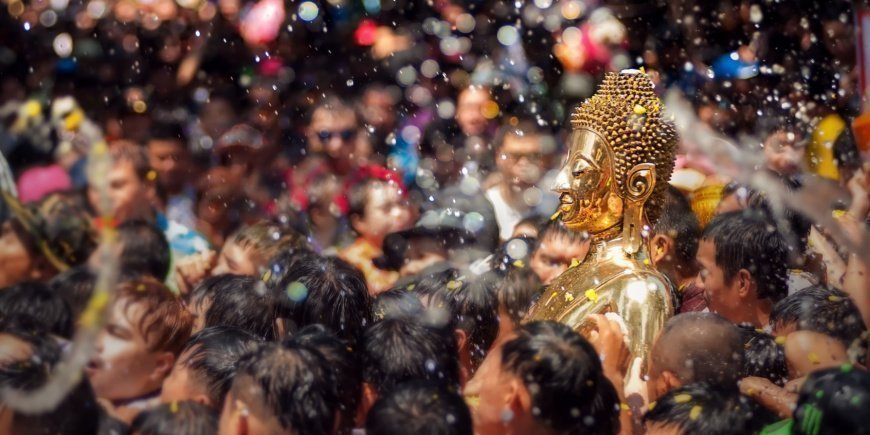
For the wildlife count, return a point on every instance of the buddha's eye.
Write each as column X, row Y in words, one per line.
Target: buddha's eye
column 578, row 171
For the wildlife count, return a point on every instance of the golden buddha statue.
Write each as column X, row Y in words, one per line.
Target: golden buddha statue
column 620, row 159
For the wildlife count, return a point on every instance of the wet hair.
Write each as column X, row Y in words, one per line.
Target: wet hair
column 518, row 291
column 833, row 401
column 514, row 253
column 419, row 407
column 324, row 290
column 536, row 220
column 345, row 367
column 398, row 302
column 556, row 228
column 77, row 413
column 564, row 378
column 165, row 323
column 75, row 286
column 400, row 350
column 746, row 240
column 762, row 356
column 292, row 382
column 167, row 131
column 821, row 309
column 187, row 417
column 236, row 300
column 472, row 302
column 38, row 301
column 267, row 239
column 678, row 221
column 705, row 409
column 144, row 249
column 126, row 151
column 212, row 358
column 700, row 347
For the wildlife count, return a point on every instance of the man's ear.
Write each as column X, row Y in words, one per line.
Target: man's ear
column 355, row 223
column 41, row 270
column 661, row 247
column 163, row 365
column 670, row 381
column 369, row 397
column 744, row 282
column 202, row 399
column 518, row 400
column 461, row 339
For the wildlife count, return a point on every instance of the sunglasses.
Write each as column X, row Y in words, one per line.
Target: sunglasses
column 345, row 135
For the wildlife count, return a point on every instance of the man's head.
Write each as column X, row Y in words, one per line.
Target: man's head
column 144, row 250
column 833, row 401
column 763, row 356
column 250, row 249
column 131, row 187
column 419, row 407
column 471, row 106
column 783, row 144
column 558, row 247
column 377, row 206
column 820, row 309
column 674, row 241
column 704, row 409
column 168, row 156
column 185, row 417
column 234, row 300
column 206, row 366
column 38, row 301
column 146, row 329
column 548, row 380
column 75, row 286
column 743, row 263
column 520, row 154
column 281, row 389
column 332, row 130
column 695, row 347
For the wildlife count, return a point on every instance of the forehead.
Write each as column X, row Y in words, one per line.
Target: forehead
column 588, row 145
column 528, row 141
column 560, row 245
column 326, row 116
column 473, row 95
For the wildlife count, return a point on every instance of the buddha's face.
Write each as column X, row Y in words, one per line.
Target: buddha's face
column 589, row 199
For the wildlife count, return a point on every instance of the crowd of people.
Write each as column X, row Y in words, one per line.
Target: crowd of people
column 334, row 217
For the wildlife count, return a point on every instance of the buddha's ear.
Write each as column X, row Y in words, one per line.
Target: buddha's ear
column 639, row 184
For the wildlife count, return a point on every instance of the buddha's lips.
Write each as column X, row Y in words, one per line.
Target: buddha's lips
column 567, row 201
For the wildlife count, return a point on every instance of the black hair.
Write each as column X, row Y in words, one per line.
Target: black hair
column 168, row 131
column 185, row 417
column 833, row 401
column 77, row 413
column 471, row 300
column 563, row 374
column 557, row 228
column 398, row 302
column 821, row 309
column 212, row 358
column 762, row 356
column 700, row 408
column 419, row 407
column 144, row 250
column 75, row 286
column 324, row 290
column 399, row 350
column 515, row 252
column 345, row 366
column 522, row 128
column 520, row 289
column 236, row 300
column 293, row 383
column 41, row 303
column 678, row 221
column 747, row 240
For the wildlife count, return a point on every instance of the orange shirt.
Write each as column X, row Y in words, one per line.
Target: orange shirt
column 360, row 254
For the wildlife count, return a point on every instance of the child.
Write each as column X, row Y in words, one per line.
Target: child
column 557, row 248
column 146, row 329
column 377, row 207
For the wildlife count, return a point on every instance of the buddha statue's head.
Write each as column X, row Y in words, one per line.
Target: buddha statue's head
column 620, row 159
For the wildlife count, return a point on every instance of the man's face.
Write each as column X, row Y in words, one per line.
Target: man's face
column 722, row 297
column 16, row 261
column 334, row 133
column 180, row 384
column 378, row 109
column 783, row 152
column 555, row 254
column 123, row 367
column 169, row 158
column 469, row 111
column 520, row 161
column 386, row 211
column 422, row 253
column 130, row 195
column 237, row 260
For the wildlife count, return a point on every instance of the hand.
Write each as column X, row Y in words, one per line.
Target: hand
column 608, row 338
column 859, row 188
column 193, row 269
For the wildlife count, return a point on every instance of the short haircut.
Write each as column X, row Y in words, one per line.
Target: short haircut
column 746, row 240
column 472, row 302
column 75, row 286
column 144, row 249
column 518, row 291
column 165, row 323
column 522, row 128
column 397, row 302
column 38, row 301
column 358, row 195
column 236, row 300
column 331, row 103
column 345, row 366
column 213, row 356
column 678, row 221
column 821, row 309
column 267, row 239
column 419, row 408
column 556, row 228
column 293, row 383
column 762, row 356
column 514, row 253
column 400, row 350
column 700, row 347
column 328, row 291
column 564, row 378
column 185, row 417
column 167, row 131
column 129, row 152
column 711, row 410
column 833, row 401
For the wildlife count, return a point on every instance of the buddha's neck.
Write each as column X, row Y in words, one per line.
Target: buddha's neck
column 604, row 249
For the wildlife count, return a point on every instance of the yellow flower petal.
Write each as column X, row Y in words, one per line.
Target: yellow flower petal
column 813, row 357
column 574, row 263
column 780, row 341
column 695, row 412
column 591, row 295
column 683, row 398
column 519, row 263
column 454, row 284
column 639, row 110
column 555, row 215
column 569, row 297
column 173, row 407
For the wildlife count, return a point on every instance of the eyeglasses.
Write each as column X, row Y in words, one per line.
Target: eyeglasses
column 345, row 135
